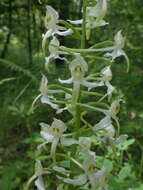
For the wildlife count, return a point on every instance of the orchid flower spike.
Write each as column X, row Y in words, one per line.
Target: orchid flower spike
column 38, row 176
column 51, row 21
column 53, row 134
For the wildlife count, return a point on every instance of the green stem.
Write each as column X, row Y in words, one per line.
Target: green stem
column 75, row 99
column 55, row 86
column 53, row 149
column 89, row 50
column 77, row 88
column 76, row 92
column 72, row 51
column 83, row 25
column 92, row 93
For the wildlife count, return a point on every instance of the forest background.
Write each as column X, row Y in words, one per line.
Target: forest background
column 21, row 65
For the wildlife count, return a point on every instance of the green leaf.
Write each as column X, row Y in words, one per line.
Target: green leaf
column 108, row 164
column 65, row 164
column 125, row 144
column 124, row 172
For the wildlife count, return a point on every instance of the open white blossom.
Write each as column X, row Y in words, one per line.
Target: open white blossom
column 94, row 16
column 106, row 125
column 53, row 134
column 51, row 23
column 78, row 68
column 54, row 51
column 38, row 176
column 117, row 49
column 110, row 113
column 106, row 78
column 114, row 110
column 95, row 177
column 45, row 96
column 98, row 12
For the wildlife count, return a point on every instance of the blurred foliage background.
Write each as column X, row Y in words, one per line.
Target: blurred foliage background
column 21, row 65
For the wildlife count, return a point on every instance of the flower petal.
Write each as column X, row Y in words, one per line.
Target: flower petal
column 60, row 170
column 41, row 145
column 38, row 168
column 60, row 126
column 75, row 21
column 45, row 100
column 61, row 110
column 105, row 122
column 68, row 141
column 46, row 132
column 81, row 180
column 100, row 177
column 43, row 85
column 121, row 139
column 45, row 36
column 65, row 33
column 110, row 88
column 40, row 184
column 91, row 85
column 68, row 81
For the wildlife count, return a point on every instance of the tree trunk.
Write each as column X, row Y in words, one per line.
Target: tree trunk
column 5, row 48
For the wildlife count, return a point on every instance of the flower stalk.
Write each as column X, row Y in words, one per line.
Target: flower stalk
column 72, row 144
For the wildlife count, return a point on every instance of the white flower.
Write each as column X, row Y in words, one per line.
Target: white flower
column 80, row 180
column 53, row 134
column 106, row 125
column 38, row 176
column 94, row 15
column 98, row 12
column 94, row 176
column 78, row 68
column 117, row 49
column 120, row 139
column 51, row 21
column 114, row 109
column 54, row 52
column 111, row 113
column 44, row 95
column 106, row 78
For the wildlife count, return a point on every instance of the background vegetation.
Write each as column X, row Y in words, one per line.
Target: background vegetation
column 21, row 65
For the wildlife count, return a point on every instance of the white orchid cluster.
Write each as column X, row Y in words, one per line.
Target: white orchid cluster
column 71, row 140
